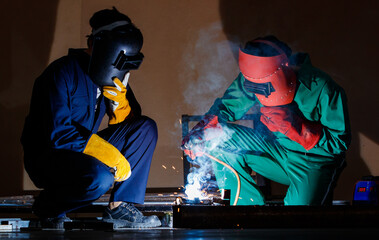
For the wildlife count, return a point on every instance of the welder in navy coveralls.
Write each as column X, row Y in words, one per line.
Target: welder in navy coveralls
column 65, row 155
column 300, row 138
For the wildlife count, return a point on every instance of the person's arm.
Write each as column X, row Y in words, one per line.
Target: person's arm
column 235, row 102
column 67, row 134
column 64, row 133
column 231, row 107
column 333, row 110
column 287, row 120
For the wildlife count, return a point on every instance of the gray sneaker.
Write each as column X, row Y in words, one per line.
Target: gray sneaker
column 128, row 216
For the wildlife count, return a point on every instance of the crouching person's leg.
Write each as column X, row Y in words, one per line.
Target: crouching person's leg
column 70, row 180
column 246, row 149
column 232, row 173
column 136, row 139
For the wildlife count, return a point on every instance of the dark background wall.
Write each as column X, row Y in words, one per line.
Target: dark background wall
column 27, row 31
column 188, row 43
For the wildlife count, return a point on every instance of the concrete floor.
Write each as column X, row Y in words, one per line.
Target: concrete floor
column 259, row 234
column 19, row 207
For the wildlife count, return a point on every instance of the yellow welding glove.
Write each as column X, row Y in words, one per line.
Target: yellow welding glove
column 109, row 155
column 119, row 107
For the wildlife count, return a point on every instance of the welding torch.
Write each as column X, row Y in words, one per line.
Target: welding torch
column 199, row 143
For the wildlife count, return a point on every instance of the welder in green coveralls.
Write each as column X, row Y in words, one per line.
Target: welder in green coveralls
column 300, row 139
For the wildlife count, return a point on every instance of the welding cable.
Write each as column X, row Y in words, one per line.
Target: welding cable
column 231, row 169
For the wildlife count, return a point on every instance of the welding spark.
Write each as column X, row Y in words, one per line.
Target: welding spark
column 173, row 167
column 193, row 191
column 164, row 166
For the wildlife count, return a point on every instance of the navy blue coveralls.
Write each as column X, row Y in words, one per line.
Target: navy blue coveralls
column 64, row 113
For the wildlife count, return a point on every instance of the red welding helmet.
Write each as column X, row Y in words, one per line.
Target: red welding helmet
column 269, row 78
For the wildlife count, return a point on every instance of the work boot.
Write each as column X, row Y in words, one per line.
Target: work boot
column 47, row 217
column 54, row 223
column 128, row 216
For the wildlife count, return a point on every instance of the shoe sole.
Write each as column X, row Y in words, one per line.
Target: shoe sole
column 118, row 223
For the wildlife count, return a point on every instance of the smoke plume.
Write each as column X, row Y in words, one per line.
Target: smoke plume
column 209, row 68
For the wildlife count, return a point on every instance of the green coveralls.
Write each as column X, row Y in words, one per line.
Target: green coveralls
column 311, row 175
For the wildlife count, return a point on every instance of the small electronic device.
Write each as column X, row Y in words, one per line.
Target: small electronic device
column 366, row 191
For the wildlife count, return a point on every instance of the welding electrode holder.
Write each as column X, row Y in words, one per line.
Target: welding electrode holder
column 196, row 139
column 225, row 196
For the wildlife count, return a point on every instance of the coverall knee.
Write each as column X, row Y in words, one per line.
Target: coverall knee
column 136, row 139
column 69, row 180
column 311, row 179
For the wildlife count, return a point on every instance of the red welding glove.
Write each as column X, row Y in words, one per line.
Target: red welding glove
column 296, row 128
column 207, row 129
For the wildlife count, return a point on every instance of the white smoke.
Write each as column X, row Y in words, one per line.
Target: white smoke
column 199, row 179
column 209, row 68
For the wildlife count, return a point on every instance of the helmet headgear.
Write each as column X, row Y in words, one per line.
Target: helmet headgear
column 116, row 45
column 269, row 76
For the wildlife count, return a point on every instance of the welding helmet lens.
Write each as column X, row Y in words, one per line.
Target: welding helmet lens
column 268, row 77
column 124, row 62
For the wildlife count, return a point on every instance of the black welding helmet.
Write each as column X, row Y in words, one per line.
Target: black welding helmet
column 115, row 51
